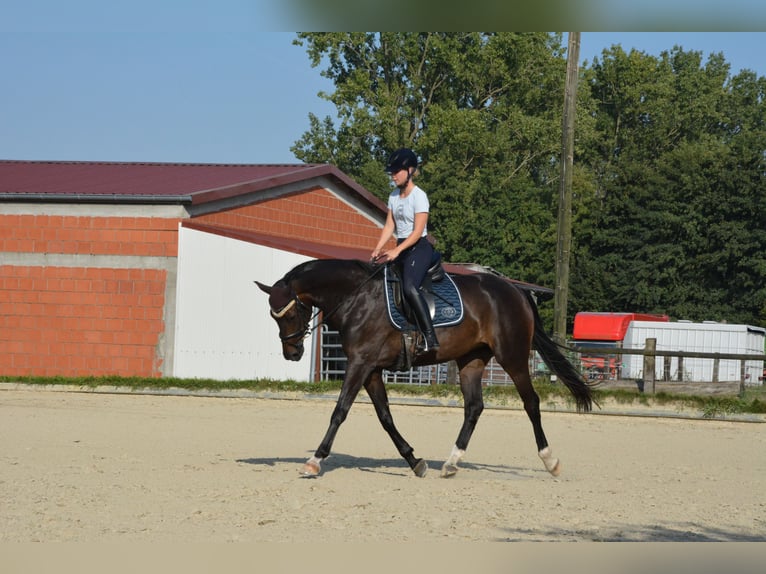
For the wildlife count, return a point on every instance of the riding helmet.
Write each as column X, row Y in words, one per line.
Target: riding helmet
column 403, row 158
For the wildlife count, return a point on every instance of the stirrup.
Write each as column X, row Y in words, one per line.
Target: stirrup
column 425, row 346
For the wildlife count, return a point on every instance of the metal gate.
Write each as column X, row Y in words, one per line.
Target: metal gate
column 332, row 363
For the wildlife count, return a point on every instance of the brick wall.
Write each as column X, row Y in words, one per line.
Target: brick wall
column 81, row 321
column 96, row 315
column 89, row 235
column 317, row 216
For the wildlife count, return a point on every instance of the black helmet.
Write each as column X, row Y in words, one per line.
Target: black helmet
column 401, row 159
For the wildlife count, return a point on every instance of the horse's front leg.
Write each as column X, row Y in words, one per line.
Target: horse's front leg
column 356, row 375
column 377, row 392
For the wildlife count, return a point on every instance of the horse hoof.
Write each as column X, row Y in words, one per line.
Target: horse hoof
column 310, row 470
column 552, row 464
column 449, row 470
column 420, row 468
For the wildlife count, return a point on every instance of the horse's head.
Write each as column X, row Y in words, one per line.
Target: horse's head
column 292, row 316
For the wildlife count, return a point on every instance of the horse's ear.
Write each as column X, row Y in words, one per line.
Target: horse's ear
column 262, row 287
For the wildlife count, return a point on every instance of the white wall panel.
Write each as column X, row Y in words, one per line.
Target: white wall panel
column 223, row 327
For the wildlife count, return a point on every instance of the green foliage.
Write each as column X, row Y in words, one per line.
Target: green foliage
column 678, row 228
column 482, row 111
column 669, row 171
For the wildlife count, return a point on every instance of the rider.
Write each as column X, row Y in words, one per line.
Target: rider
column 407, row 219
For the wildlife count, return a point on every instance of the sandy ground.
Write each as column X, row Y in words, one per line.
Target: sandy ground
column 91, row 467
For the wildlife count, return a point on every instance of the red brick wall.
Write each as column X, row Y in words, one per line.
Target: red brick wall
column 97, row 321
column 74, row 321
column 317, row 215
column 89, row 235
column 78, row 321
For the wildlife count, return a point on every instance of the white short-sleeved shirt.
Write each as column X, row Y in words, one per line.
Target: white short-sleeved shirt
column 404, row 210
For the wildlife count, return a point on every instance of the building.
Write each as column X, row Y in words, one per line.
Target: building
column 147, row 269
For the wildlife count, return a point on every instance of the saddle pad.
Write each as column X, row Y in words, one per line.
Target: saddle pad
column 447, row 301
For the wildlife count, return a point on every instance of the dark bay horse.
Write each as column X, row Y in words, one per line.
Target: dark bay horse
column 500, row 320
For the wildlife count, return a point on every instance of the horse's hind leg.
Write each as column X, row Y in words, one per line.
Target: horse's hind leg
column 519, row 372
column 473, row 406
column 377, row 392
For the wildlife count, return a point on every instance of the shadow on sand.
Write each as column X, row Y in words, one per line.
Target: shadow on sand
column 396, row 466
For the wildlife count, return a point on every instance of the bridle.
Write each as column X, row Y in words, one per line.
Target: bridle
column 301, row 306
column 295, row 301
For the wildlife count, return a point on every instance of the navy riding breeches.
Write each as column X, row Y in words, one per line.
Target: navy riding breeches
column 414, row 263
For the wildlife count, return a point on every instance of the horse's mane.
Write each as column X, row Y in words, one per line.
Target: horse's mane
column 329, row 266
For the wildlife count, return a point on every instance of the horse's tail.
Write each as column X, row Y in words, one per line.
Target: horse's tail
column 548, row 349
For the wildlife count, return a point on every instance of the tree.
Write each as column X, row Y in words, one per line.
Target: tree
column 483, row 112
column 669, row 164
column 680, row 166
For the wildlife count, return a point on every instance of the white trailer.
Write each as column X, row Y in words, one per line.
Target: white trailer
column 706, row 337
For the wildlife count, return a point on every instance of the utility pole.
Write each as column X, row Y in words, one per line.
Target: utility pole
column 564, row 230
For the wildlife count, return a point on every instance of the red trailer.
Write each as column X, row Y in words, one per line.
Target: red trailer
column 605, row 330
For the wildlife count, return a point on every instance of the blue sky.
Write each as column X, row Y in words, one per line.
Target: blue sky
column 134, row 90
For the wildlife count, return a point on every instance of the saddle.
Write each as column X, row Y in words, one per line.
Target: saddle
column 441, row 295
column 439, row 291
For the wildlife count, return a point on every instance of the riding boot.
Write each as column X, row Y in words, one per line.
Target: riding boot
column 423, row 318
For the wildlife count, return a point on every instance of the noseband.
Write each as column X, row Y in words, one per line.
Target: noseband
column 305, row 330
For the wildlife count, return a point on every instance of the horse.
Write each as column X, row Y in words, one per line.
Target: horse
column 500, row 320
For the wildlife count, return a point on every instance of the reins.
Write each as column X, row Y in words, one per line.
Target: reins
column 306, row 331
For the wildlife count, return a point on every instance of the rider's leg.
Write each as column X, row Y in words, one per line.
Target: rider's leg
column 414, row 267
column 423, row 317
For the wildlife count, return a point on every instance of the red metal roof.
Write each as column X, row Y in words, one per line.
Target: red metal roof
column 301, row 246
column 607, row 326
column 325, row 251
column 152, row 182
column 186, row 183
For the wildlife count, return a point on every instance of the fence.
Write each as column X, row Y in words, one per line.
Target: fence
column 332, row 366
column 650, row 353
column 594, row 362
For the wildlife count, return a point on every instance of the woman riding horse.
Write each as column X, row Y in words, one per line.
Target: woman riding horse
column 407, row 219
column 501, row 321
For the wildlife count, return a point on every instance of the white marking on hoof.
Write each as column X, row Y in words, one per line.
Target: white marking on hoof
column 448, row 470
column 450, row 467
column 312, row 467
column 552, row 464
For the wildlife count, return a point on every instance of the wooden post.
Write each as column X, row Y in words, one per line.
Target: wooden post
column 564, row 231
column 716, row 368
column 742, row 374
column 452, row 373
column 649, row 362
column 680, row 368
